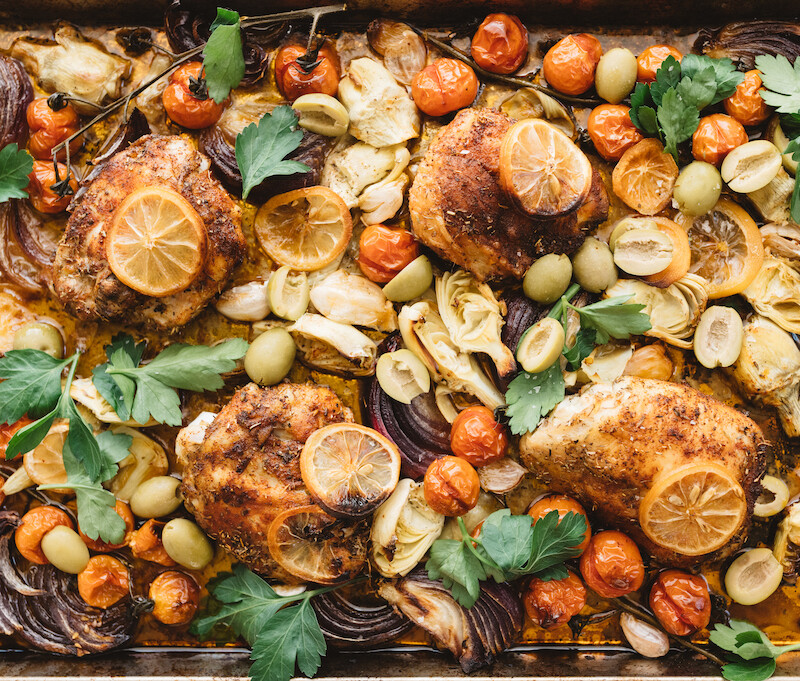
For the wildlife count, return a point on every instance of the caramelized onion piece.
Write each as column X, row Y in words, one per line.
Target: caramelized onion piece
column 17, row 91
column 743, row 41
column 27, row 247
column 403, row 51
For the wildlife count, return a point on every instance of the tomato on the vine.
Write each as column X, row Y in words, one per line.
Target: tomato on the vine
column 716, row 136
column 186, row 99
column 553, row 602
column 612, row 564
column 745, row 104
column 650, row 60
column 296, row 75
column 476, row 437
column 681, row 602
column 384, row 251
column 49, row 128
column 563, row 504
column 612, row 131
column 444, row 86
column 44, row 198
column 570, row 64
column 500, row 44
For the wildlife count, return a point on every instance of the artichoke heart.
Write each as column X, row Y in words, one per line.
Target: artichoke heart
column 473, row 317
column 425, row 334
column 147, row 459
column 351, row 167
column 782, row 241
column 775, row 294
column 84, row 393
column 333, row 347
column 674, row 311
column 381, row 111
column 403, row 529
column 786, row 546
column 351, row 299
column 772, row 201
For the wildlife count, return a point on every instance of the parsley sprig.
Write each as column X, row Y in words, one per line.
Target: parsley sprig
column 15, row 166
column 223, row 59
column 282, row 631
column 753, row 654
column 508, row 547
column 669, row 108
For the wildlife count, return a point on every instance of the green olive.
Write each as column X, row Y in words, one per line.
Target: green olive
column 615, row 75
column 270, row 356
column 593, row 266
column 40, row 336
column 187, row 544
column 156, row 497
column 548, row 278
column 65, row 549
column 753, row 577
column 541, row 345
column 697, row 188
column 410, row 282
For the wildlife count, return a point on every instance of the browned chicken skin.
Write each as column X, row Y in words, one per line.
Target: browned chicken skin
column 608, row 445
column 459, row 210
column 82, row 277
column 247, row 470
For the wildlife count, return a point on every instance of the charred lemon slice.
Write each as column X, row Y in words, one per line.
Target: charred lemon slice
column 693, row 510
column 542, row 170
column 349, row 469
column 44, row 464
column 316, row 547
column 644, row 177
column 156, row 243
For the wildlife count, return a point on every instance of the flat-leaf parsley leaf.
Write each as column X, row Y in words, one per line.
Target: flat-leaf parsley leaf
column 15, row 166
column 223, row 60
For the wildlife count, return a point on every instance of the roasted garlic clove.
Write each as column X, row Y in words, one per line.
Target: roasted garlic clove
column 644, row 638
column 402, row 375
column 352, row 299
column 329, row 345
column 246, row 303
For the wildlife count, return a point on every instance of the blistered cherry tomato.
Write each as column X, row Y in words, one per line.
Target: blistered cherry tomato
column 649, row 61
column 104, row 581
column 451, row 486
column 612, row 130
column 123, row 511
column 175, row 596
column 746, row 105
column 384, row 251
column 40, row 191
column 34, row 525
column 295, row 79
column 612, row 564
column 7, row 431
column 476, row 437
column 146, row 543
column 186, row 100
column 500, row 44
column 570, row 64
column 549, row 604
column 716, row 136
column 49, row 128
column 563, row 504
column 444, row 86
column 681, row 602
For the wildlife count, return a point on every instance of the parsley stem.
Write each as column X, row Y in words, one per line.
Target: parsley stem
column 571, row 292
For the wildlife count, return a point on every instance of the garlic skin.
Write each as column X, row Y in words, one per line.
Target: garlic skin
column 246, row 303
column 334, row 347
column 644, row 638
column 352, row 299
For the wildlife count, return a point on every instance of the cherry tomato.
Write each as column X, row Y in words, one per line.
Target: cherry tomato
column 34, row 525
column 384, row 251
column 175, row 596
column 476, row 437
column 716, row 136
column 186, row 102
column 146, row 543
column 500, row 44
column 563, row 504
column 681, row 602
column 612, row 564
column 746, row 105
column 104, row 581
column 649, row 61
column 42, row 196
column 123, row 511
column 612, row 130
column 549, row 604
column 444, row 86
column 451, row 486
column 570, row 64
column 294, row 79
column 49, row 128
column 7, row 431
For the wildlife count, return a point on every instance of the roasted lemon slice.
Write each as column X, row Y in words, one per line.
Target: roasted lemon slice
column 315, row 547
column 156, row 243
column 693, row 510
column 349, row 469
column 725, row 246
column 305, row 229
column 645, row 176
column 45, row 463
column 542, row 170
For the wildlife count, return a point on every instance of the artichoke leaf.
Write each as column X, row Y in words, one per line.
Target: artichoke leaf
column 775, row 294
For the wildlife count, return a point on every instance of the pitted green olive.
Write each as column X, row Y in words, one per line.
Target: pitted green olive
column 40, row 336
column 187, row 544
column 697, row 188
column 753, row 576
column 548, row 278
column 289, row 293
column 156, row 497
column 593, row 266
column 410, row 282
column 65, row 549
column 718, row 337
column 541, row 345
column 321, row 114
column 270, row 356
column 774, row 498
column 402, row 375
column 615, row 75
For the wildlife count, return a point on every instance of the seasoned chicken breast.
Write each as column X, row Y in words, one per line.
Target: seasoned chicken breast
column 460, row 211
column 610, row 444
column 248, row 468
column 82, row 277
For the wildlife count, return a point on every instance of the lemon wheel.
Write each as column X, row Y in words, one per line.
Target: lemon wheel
column 693, row 510
column 316, row 547
column 542, row 170
column 644, row 177
column 305, row 229
column 156, row 243
column 44, row 464
column 726, row 248
column 349, row 469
